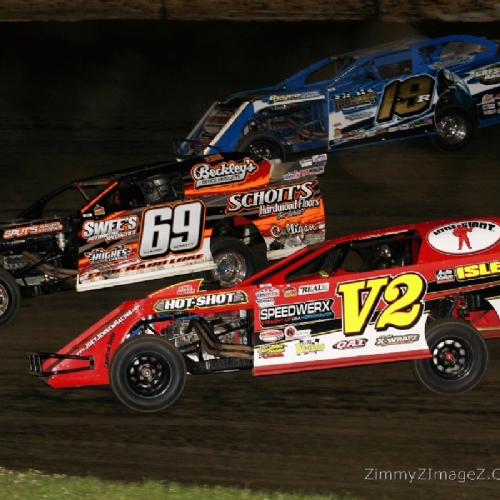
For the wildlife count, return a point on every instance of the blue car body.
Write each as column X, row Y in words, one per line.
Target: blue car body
column 445, row 86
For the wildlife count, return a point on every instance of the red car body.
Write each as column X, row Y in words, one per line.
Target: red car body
column 426, row 292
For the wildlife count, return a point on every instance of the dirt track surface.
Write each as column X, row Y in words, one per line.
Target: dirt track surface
column 335, row 431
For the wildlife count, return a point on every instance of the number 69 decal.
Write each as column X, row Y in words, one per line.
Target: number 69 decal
column 402, row 296
column 172, row 229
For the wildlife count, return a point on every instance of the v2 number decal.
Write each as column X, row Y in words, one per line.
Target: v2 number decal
column 406, row 98
column 402, row 295
column 172, row 229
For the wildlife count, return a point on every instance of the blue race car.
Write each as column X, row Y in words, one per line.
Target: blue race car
column 444, row 87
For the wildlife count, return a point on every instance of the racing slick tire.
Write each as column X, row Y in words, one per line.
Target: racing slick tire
column 261, row 145
column 459, row 357
column 454, row 128
column 147, row 373
column 233, row 259
column 10, row 298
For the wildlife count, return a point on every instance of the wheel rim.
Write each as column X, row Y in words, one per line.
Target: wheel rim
column 4, row 300
column 452, row 358
column 452, row 128
column 264, row 150
column 231, row 268
column 148, row 375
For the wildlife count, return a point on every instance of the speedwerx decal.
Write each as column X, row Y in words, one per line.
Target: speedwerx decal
column 275, row 200
column 402, row 295
column 304, row 311
column 209, row 300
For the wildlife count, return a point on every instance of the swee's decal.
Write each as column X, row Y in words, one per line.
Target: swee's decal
column 467, row 237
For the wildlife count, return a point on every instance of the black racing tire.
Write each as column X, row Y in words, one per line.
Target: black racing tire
column 261, row 145
column 147, row 373
column 454, row 127
column 459, row 357
column 233, row 259
column 10, row 298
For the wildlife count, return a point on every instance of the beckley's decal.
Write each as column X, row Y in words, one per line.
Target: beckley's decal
column 222, row 173
column 467, row 237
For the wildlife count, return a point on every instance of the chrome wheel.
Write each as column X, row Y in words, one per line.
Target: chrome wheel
column 231, row 268
column 4, row 300
column 453, row 128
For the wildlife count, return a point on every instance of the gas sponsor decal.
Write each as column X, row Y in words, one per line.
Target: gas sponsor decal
column 110, row 229
column 209, row 300
column 350, row 344
column 467, row 237
column 222, row 173
column 101, row 255
column 478, row 270
column 389, row 340
column 275, row 200
column 316, row 288
column 309, row 346
column 303, row 311
column 489, row 76
column 400, row 297
column 31, row 230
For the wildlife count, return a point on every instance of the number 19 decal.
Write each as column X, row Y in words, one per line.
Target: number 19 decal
column 406, row 98
column 402, row 295
column 172, row 229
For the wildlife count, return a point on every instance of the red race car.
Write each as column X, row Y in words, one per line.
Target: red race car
column 427, row 293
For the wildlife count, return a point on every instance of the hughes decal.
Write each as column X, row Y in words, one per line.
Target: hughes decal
column 112, row 229
column 274, row 201
column 304, row 311
column 223, row 173
column 208, row 300
column 464, row 237
column 100, row 255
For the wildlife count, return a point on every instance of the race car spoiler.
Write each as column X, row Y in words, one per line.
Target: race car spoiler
column 37, row 360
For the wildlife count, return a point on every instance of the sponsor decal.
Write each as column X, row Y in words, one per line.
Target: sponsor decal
column 489, row 106
column 109, row 343
column 33, row 229
column 451, row 62
column 98, row 210
column 465, row 237
column 108, row 329
column 289, row 291
column 205, row 174
column 215, row 122
column 272, row 351
column 308, row 346
column 303, row 311
column 209, row 300
column 489, row 76
column 291, row 333
column 445, row 276
column 267, row 293
column 388, row 340
column 361, row 115
column 303, row 172
column 271, row 335
column 300, row 230
column 478, row 270
column 215, row 157
column 287, row 97
column 186, row 290
column 306, row 162
column 316, row 288
column 265, row 302
column 275, row 200
column 322, row 157
column 350, row 344
column 111, row 229
column 360, row 99
column 101, row 255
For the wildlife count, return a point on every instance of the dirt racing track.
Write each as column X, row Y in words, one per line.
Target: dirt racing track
column 364, row 430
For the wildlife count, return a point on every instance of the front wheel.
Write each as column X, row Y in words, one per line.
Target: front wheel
column 261, row 145
column 147, row 373
column 454, row 128
column 10, row 298
column 234, row 262
column 459, row 357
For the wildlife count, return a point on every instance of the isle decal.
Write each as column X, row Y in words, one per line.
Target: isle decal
column 467, row 237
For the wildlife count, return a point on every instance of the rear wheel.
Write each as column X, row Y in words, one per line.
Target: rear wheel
column 234, row 262
column 459, row 357
column 261, row 145
column 147, row 373
column 454, row 128
column 10, row 298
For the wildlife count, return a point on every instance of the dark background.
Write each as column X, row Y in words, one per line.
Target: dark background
column 82, row 98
